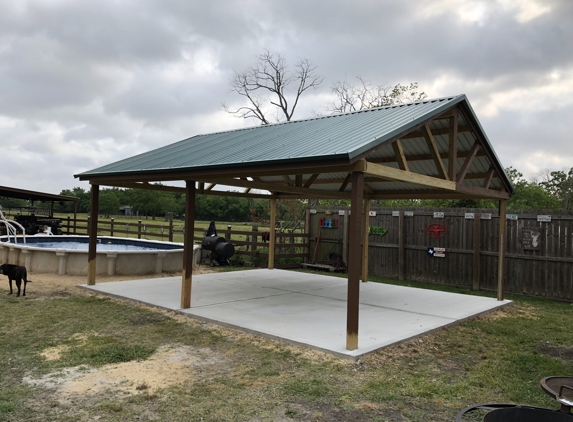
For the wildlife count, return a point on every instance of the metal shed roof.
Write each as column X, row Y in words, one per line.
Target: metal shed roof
column 271, row 154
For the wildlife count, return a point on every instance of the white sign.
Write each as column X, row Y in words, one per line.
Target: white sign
column 544, row 218
column 395, row 213
column 313, row 211
column 512, row 217
column 439, row 252
column 485, row 216
column 469, row 216
column 372, row 213
column 341, row 212
column 438, row 215
column 408, row 213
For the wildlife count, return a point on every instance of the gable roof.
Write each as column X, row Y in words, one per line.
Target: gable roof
column 336, row 140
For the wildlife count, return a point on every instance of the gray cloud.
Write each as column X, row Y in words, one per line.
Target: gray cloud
column 84, row 84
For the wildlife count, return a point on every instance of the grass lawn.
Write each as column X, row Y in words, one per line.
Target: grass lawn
column 70, row 355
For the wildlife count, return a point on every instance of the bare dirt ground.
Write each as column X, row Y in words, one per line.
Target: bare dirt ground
column 170, row 365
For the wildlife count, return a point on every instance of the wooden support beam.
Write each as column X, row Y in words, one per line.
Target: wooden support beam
column 247, row 190
column 187, row 273
column 422, row 157
column 476, row 257
column 468, row 162
column 501, row 249
column 401, row 247
column 345, row 183
column 282, row 188
column 481, row 192
column 408, row 177
column 437, row 132
column 368, row 190
column 487, row 178
column 287, row 179
column 201, row 187
column 94, row 202
column 311, row 180
column 400, row 156
column 210, row 187
column 354, row 255
column 272, row 233
column 365, row 229
column 434, row 152
column 298, row 180
column 453, row 146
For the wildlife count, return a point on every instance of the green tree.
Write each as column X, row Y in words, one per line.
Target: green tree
column 560, row 185
column 108, row 202
column 529, row 194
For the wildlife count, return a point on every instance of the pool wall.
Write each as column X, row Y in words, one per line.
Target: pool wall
column 75, row 262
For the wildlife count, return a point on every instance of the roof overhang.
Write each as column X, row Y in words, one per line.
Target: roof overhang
column 442, row 153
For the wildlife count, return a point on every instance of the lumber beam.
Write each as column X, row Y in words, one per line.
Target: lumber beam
column 422, row 157
column 434, row 152
column 487, row 179
column 453, row 146
column 468, row 162
column 311, row 180
column 386, row 172
column 186, row 278
column 400, row 156
column 273, row 186
column 92, row 245
column 345, row 183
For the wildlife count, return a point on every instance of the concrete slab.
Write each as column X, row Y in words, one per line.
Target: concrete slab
column 307, row 309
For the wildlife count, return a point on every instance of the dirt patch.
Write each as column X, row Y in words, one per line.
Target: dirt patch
column 562, row 353
column 169, row 365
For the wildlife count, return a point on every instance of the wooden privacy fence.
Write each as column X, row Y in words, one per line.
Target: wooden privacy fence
column 458, row 247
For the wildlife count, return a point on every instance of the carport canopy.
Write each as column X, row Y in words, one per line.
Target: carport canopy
column 432, row 149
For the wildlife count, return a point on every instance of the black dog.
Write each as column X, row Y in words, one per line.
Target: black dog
column 16, row 273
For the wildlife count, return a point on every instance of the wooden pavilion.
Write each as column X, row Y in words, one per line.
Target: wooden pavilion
column 433, row 149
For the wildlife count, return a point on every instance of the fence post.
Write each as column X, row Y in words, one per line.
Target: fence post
column 228, row 234
column 307, row 231
column 111, row 226
column 69, row 224
column 401, row 249
column 139, row 229
column 171, row 230
column 476, row 260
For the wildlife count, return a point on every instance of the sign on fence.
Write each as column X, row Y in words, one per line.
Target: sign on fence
column 544, row 218
column 531, row 239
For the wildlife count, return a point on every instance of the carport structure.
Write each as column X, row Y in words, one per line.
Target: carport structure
column 433, row 149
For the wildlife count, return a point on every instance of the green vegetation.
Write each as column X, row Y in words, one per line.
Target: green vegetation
column 496, row 358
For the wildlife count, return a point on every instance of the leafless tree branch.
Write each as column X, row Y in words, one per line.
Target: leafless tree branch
column 268, row 82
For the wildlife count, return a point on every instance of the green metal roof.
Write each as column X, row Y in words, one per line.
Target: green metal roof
column 324, row 138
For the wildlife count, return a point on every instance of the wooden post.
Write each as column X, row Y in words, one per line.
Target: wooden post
column 501, row 250
column 401, row 248
column 188, row 244
column 92, row 226
column 476, row 260
column 273, row 203
column 75, row 216
column 111, row 226
column 69, row 226
column 354, row 252
column 228, row 234
column 307, row 231
column 345, row 237
column 365, row 229
column 171, row 230
column 139, row 229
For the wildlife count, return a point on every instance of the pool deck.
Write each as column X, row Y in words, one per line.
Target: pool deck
column 307, row 309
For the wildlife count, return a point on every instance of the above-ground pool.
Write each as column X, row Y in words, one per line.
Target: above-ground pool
column 115, row 255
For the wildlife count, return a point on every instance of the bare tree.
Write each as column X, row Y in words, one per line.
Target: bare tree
column 351, row 97
column 267, row 82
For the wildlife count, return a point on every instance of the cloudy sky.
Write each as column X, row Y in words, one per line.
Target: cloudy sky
column 83, row 84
